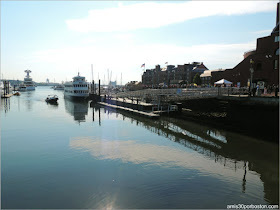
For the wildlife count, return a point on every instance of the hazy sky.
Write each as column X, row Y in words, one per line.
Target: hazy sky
column 57, row 39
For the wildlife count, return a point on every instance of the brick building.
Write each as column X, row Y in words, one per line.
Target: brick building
column 171, row 75
column 266, row 62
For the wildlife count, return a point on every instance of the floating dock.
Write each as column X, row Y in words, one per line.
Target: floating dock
column 6, row 96
column 142, row 113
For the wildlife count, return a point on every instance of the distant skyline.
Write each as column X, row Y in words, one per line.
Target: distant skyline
column 56, row 39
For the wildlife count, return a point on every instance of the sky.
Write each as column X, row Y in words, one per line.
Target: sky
column 58, row 39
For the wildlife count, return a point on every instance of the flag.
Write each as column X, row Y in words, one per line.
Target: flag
column 143, row 65
column 166, row 62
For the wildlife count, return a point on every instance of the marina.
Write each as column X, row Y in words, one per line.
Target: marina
column 96, row 156
column 130, row 106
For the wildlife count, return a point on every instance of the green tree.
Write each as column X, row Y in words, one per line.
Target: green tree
column 197, row 79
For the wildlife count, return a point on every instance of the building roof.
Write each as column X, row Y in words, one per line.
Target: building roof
column 207, row 73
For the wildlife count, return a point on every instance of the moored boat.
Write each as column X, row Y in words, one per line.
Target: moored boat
column 28, row 83
column 78, row 88
column 17, row 94
column 22, row 87
column 59, row 87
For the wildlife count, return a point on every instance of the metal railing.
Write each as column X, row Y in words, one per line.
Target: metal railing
column 182, row 93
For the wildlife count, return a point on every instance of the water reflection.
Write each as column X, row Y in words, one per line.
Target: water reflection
column 53, row 105
column 5, row 104
column 28, row 96
column 78, row 109
column 230, row 150
column 244, row 177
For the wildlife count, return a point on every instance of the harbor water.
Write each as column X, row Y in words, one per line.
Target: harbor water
column 71, row 155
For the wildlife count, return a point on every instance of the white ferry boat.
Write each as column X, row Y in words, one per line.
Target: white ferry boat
column 28, row 84
column 22, row 87
column 78, row 88
column 59, row 87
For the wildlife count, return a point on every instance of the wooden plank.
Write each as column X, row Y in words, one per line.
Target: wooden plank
column 6, row 96
column 147, row 114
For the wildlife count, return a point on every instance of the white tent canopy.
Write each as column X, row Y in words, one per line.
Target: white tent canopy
column 223, row 81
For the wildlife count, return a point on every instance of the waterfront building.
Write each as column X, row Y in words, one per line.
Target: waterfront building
column 265, row 66
column 171, row 75
column 133, row 85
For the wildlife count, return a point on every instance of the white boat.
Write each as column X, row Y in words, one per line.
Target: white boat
column 22, row 87
column 28, row 83
column 78, row 88
column 59, row 87
column 52, row 99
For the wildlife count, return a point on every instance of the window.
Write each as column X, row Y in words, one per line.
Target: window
column 277, row 52
column 259, row 67
column 276, row 64
column 276, row 39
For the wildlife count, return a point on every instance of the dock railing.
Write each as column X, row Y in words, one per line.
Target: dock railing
column 176, row 94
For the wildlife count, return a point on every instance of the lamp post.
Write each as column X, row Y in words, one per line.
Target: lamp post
column 251, row 75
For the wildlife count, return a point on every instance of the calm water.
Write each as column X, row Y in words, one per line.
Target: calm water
column 73, row 156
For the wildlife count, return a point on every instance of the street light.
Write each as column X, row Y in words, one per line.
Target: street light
column 251, row 78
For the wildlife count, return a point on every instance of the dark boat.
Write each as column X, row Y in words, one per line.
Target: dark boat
column 51, row 99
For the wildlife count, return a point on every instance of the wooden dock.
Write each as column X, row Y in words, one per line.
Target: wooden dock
column 6, row 96
column 145, row 114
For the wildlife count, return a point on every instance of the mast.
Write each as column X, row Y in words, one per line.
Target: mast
column 92, row 72
column 108, row 76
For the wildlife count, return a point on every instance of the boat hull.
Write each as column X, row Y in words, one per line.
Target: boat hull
column 30, row 88
column 76, row 97
column 22, row 89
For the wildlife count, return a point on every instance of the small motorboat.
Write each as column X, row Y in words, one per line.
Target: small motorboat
column 52, row 98
column 17, row 94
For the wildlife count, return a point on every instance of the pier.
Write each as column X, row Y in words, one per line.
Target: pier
column 151, row 110
column 7, row 95
column 6, row 90
column 229, row 108
column 137, row 112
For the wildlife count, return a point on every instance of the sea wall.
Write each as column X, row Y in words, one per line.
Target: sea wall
column 254, row 117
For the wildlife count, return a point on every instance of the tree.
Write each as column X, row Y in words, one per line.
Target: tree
column 197, row 79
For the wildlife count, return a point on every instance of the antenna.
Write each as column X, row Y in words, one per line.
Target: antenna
column 121, row 79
